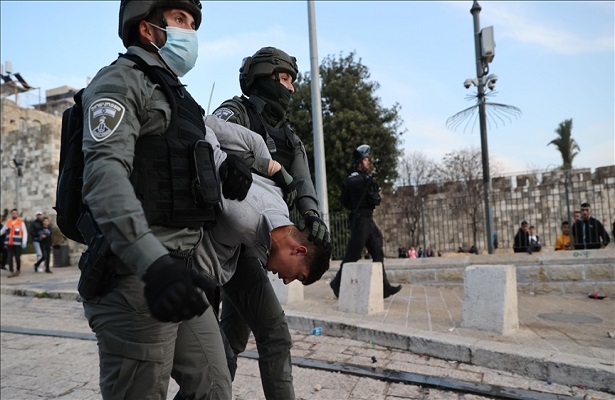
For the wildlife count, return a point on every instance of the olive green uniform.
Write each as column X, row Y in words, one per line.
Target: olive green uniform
column 138, row 353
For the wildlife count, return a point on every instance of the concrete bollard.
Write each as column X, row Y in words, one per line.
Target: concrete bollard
column 490, row 299
column 361, row 289
column 287, row 294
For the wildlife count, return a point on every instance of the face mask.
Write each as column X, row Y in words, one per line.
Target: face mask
column 181, row 49
column 275, row 94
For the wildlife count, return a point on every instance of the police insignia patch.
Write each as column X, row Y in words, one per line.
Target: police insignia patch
column 224, row 113
column 105, row 116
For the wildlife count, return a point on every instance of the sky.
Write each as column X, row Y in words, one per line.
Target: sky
column 555, row 61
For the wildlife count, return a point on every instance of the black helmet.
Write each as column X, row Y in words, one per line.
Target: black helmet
column 131, row 12
column 360, row 153
column 265, row 62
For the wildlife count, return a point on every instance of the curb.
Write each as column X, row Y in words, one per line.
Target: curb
column 548, row 366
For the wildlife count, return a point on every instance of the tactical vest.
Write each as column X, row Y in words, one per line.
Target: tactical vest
column 164, row 175
column 14, row 235
column 282, row 149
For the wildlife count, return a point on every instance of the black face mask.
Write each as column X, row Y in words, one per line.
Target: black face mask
column 276, row 95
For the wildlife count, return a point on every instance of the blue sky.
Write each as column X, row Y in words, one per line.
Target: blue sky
column 555, row 60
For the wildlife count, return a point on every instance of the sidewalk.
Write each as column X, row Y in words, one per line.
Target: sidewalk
column 562, row 339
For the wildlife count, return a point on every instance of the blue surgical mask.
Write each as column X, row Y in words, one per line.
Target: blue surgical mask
column 181, row 49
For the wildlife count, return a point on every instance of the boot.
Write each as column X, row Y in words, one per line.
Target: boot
column 335, row 283
column 14, row 274
column 388, row 290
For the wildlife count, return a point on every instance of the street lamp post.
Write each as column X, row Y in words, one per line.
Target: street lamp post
column 18, row 162
column 481, row 67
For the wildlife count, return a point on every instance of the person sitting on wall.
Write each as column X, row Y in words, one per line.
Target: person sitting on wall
column 534, row 241
column 563, row 240
column 522, row 239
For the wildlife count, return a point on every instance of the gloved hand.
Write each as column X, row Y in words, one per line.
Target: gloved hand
column 236, row 178
column 319, row 233
column 171, row 290
column 24, row 245
column 288, row 185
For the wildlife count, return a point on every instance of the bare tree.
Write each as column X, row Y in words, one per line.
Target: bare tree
column 464, row 167
column 416, row 171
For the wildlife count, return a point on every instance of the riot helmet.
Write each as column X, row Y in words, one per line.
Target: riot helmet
column 359, row 154
column 264, row 63
column 133, row 11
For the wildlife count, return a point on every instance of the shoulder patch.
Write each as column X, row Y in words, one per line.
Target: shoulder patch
column 104, row 116
column 224, row 113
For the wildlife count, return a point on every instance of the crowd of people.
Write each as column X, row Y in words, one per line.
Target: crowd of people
column 585, row 233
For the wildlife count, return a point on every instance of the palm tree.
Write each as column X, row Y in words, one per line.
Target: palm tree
column 565, row 144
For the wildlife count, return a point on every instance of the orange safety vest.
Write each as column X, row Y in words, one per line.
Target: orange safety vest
column 14, row 236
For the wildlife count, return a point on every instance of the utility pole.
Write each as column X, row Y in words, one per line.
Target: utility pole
column 320, row 168
column 481, row 71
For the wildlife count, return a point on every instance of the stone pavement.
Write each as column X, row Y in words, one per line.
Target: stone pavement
column 565, row 340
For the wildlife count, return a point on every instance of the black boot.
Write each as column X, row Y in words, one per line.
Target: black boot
column 388, row 290
column 335, row 283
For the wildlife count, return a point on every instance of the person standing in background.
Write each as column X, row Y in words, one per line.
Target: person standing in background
column 16, row 240
column 44, row 236
column 34, row 229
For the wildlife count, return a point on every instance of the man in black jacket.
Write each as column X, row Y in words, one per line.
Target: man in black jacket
column 588, row 232
column 360, row 194
column 522, row 238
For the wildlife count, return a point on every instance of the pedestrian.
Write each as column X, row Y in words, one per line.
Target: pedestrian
column 15, row 241
column 522, row 238
column 588, row 232
column 534, row 244
column 249, row 302
column 563, row 239
column 148, row 183
column 44, row 235
column 34, row 229
column 412, row 252
column 361, row 194
column 4, row 252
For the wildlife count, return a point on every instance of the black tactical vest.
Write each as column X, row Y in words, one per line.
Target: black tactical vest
column 164, row 175
column 282, row 149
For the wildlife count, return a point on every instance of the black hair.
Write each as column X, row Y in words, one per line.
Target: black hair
column 317, row 257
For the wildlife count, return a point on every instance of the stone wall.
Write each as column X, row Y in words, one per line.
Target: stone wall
column 33, row 136
column 542, row 199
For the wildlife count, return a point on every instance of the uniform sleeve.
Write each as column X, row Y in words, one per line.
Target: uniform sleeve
column 25, row 232
column 114, row 103
column 300, row 171
column 233, row 111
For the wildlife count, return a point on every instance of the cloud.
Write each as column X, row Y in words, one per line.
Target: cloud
column 513, row 22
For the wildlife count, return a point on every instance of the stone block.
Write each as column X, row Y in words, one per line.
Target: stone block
column 579, row 287
column 287, row 294
column 422, row 276
column 548, row 288
column 450, row 275
column 361, row 289
column 600, row 272
column 490, row 299
column 566, row 273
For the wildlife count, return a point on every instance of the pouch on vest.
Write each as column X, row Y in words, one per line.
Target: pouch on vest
column 205, row 187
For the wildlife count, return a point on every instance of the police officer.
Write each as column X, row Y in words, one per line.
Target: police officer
column 249, row 302
column 360, row 194
column 143, row 139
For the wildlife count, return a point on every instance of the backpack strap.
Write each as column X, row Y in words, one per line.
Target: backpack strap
column 152, row 73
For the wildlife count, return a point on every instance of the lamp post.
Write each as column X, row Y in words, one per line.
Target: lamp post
column 18, row 162
column 484, row 48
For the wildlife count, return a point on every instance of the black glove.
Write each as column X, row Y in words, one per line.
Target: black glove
column 171, row 290
column 288, row 185
column 236, row 178
column 319, row 233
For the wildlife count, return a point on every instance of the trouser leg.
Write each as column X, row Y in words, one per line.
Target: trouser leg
column 249, row 300
column 10, row 254
column 17, row 253
column 39, row 254
column 47, row 255
column 356, row 243
column 199, row 364
column 135, row 350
